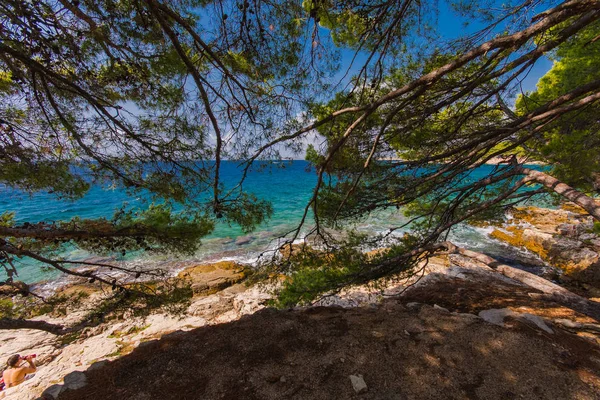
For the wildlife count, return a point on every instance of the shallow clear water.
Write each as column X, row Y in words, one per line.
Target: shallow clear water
column 288, row 185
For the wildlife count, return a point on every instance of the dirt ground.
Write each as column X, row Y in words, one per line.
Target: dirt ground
column 403, row 351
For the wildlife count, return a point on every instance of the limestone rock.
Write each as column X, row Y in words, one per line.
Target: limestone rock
column 207, row 278
column 496, row 316
column 561, row 238
column 440, row 308
column 14, row 288
column 97, row 365
column 537, row 321
column 358, row 383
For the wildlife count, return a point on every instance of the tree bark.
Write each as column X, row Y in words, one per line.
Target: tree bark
column 581, row 199
column 551, row 291
column 55, row 329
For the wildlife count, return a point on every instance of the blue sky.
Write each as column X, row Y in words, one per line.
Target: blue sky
column 450, row 26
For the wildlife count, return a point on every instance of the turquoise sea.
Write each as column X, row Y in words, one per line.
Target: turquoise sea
column 287, row 184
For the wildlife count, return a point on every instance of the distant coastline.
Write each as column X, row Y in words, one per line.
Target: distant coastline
column 492, row 161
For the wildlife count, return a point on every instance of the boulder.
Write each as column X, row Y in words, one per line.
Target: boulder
column 211, row 278
column 537, row 321
column 496, row 316
column 52, row 392
column 75, row 380
column 14, row 288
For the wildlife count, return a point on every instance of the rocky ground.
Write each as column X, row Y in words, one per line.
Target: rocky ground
column 219, row 296
column 563, row 238
column 461, row 332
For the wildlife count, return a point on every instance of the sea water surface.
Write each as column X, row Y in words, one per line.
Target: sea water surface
column 288, row 185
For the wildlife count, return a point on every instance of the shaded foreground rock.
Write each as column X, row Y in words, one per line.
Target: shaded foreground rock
column 445, row 355
column 427, row 343
column 60, row 356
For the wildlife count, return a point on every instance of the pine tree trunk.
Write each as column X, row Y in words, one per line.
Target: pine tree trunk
column 581, row 199
column 9, row 323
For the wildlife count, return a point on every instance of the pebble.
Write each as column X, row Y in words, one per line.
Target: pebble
column 358, row 383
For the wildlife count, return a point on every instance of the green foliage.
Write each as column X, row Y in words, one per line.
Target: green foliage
column 131, row 331
column 22, row 307
column 121, row 94
column 156, row 228
column 140, row 299
column 314, row 274
column 7, row 218
column 251, row 212
column 572, row 144
column 6, row 308
column 347, row 26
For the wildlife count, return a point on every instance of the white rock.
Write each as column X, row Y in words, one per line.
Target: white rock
column 496, row 315
column 537, row 320
column 358, row 383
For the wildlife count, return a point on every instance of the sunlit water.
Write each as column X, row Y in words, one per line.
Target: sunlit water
column 287, row 185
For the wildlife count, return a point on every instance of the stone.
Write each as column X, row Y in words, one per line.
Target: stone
column 75, row 380
column 560, row 238
column 440, row 308
column 211, row 278
column 52, row 392
column 14, row 288
column 537, row 321
column 358, row 383
column 567, row 323
column 242, row 240
column 496, row 315
column 587, row 237
column 98, row 364
column 567, row 230
column 199, row 287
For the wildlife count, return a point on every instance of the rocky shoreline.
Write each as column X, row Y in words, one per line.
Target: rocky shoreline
column 457, row 309
column 563, row 238
column 454, row 289
column 220, row 296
